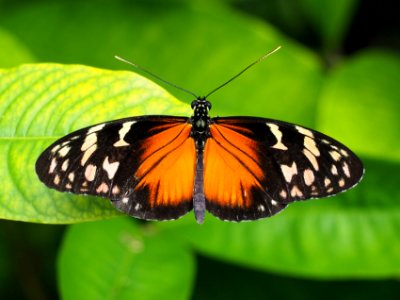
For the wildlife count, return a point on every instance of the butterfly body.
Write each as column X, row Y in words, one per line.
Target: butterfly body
column 237, row 168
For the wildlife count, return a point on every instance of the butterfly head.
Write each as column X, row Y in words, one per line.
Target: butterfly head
column 200, row 119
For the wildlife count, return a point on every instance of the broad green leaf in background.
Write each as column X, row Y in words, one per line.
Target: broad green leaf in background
column 39, row 103
column 331, row 18
column 182, row 44
column 12, row 51
column 115, row 259
column 360, row 104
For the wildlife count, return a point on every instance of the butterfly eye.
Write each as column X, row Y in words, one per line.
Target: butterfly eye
column 208, row 105
column 193, row 104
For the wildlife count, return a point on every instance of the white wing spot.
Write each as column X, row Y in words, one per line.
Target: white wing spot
column 327, row 181
column 87, row 154
column 261, row 207
column 346, row 169
column 310, row 144
column 137, row 206
column 90, row 172
column 55, row 148
column 110, row 168
column 278, row 134
column 330, row 190
column 89, row 141
column 96, row 128
column 341, row 182
column 308, row 177
column 68, row 186
column 274, row 203
column 344, row 152
column 125, row 200
column 283, row 194
column 65, row 165
column 102, row 188
column 304, row 131
column 71, row 176
column 335, row 155
column 56, row 180
column 311, row 158
column 334, row 170
column 115, row 190
column 122, row 132
column 289, row 172
column 296, row 192
column 64, row 151
column 53, row 165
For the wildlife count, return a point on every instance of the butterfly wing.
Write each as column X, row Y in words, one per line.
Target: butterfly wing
column 254, row 167
column 145, row 165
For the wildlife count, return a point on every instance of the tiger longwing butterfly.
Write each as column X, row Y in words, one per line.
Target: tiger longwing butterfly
column 237, row 168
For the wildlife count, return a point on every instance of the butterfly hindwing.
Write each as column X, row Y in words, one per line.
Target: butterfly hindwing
column 254, row 167
column 145, row 165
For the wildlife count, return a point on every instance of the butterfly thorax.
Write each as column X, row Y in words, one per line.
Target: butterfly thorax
column 200, row 121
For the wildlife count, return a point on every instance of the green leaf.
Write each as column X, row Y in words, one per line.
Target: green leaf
column 213, row 44
column 12, row 51
column 115, row 259
column 40, row 103
column 331, row 18
column 360, row 105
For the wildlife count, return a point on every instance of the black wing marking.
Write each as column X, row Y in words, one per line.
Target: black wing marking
column 103, row 159
column 297, row 164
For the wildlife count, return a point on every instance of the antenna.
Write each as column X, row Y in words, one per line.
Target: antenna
column 245, row 69
column 155, row 76
column 187, row 91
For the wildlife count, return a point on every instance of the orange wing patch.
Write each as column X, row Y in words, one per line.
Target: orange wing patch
column 168, row 165
column 230, row 173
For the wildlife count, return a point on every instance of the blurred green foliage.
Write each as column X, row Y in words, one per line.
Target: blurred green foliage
column 314, row 80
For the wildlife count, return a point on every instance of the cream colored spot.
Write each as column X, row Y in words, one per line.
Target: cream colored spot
column 304, row 131
column 89, row 141
column 335, row 155
column 90, row 172
column 71, row 176
column 283, row 194
column 85, row 184
column 125, row 200
column 289, row 172
column 311, row 158
column 64, row 151
column 308, row 176
column 55, row 148
column 115, row 190
column 87, row 154
column 110, row 168
column 273, row 202
column 341, row 182
column 122, row 132
column 68, row 186
column 102, row 188
column 261, row 207
column 327, row 181
column 65, row 164
column 137, row 206
column 53, row 165
column 295, row 192
column 56, row 180
column 346, row 169
column 96, row 128
column 344, row 152
column 334, row 170
column 330, row 190
column 310, row 144
column 278, row 135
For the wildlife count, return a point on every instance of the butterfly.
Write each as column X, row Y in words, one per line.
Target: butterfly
column 159, row 167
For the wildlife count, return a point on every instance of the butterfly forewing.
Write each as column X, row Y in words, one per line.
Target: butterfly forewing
column 254, row 167
column 145, row 165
